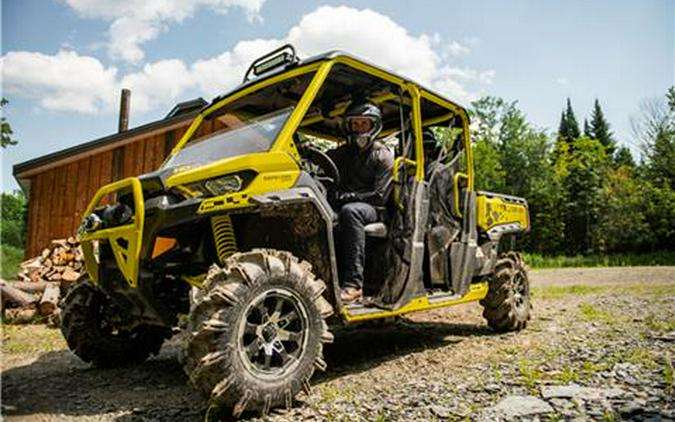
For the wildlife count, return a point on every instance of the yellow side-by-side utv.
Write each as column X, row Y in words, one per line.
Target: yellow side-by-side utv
column 237, row 231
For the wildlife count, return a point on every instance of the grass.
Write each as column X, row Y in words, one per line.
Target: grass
column 592, row 313
column 668, row 375
column 530, row 374
column 659, row 325
column 27, row 339
column 10, row 258
column 558, row 292
column 568, row 375
column 612, row 260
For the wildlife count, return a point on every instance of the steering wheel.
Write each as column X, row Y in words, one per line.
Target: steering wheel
column 331, row 174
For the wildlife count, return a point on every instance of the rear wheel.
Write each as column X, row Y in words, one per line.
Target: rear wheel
column 507, row 305
column 87, row 323
column 257, row 332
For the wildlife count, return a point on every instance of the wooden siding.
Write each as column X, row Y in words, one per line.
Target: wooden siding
column 59, row 195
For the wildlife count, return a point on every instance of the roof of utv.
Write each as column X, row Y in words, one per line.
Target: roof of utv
column 330, row 55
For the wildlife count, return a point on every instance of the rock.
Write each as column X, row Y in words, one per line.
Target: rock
column 630, row 408
column 669, row 336
column 574, row 391
column 492, row 388
column 441, row 411
column 515, row 406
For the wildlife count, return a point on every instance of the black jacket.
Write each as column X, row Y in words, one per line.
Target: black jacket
column 368, row 174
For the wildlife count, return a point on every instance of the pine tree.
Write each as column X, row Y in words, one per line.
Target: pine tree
column 623, row 157
column 599, row 129
column 572, row 124
column 587, row 129
column 569, row 127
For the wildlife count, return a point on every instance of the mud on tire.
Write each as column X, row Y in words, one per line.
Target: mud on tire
column 92, row 337
column 507, row 305
column 256, row 333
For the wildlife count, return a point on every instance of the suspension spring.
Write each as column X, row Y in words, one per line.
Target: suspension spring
column 223, row 236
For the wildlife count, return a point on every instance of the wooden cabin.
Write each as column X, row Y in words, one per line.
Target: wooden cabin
column 60, row 185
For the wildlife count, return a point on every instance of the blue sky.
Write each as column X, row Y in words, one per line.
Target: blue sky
column 64, row 61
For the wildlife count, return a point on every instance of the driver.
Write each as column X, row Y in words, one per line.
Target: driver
column 366, row 179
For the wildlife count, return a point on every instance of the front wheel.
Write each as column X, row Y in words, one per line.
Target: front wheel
column 257, row 332
column 87, row 324
column 507, row 305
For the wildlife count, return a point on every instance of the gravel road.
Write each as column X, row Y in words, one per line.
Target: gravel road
column 600, row 346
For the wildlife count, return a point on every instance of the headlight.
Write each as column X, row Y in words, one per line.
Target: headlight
column 216, row 186
column 90, row 223
column 223, row 185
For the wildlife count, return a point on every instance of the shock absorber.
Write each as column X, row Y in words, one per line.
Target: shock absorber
column 223, row 236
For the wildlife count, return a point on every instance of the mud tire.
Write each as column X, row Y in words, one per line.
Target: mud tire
column 92, row 338
column 216, row 358
column 507, row 305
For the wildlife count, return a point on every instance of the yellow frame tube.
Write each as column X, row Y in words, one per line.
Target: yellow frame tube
column 132, row 232
column 246, row 91
column 417, row 130
column 286, row 135
column 477, row 292
column 466, row 139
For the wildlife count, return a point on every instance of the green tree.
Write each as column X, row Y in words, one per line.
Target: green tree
column 584, row 167
column 513, row 157
column 6, row 132
column 624, row 158
column 569, row 127
column 623, row 225
column 13, row 214
column 488, row 167
column 655, row 130
column 599, row 129
column 587, row 129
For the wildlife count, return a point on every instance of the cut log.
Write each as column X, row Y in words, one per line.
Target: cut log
column 50, row 299
column 70, row 275
column 34, row 276
column 54, row 320
column 16, row 296
column 31, row 264
column 29, row 287
column 21, row 315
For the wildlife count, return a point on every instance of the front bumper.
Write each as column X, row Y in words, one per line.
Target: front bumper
column 125, row 241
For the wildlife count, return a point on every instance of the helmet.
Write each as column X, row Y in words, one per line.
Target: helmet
column 357, row 130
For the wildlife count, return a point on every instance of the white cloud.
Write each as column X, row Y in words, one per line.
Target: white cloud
column 470, row 75
column 563, row 81
column 133, row 22
column 65, row 81
column 84, row 84
column 158, row 85
column 457, row 49
column 365, row 33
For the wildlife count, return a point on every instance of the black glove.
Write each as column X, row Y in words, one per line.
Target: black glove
column 347, row 197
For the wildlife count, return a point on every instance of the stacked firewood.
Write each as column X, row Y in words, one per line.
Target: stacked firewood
column 41, row 282
column 62, row 261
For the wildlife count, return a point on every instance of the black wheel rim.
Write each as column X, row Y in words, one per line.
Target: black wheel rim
column 273, row 333
column 520, row 289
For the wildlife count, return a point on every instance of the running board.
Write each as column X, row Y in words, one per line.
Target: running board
column 358, row 312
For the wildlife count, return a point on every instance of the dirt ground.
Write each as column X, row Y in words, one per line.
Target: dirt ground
column 606, row 335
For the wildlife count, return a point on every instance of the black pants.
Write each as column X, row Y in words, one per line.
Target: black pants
column 353, row 217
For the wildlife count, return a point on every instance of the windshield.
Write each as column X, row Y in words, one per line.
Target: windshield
column 238, row 137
